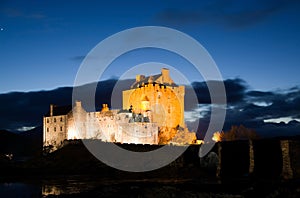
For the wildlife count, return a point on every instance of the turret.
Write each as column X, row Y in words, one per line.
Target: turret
column 165, row 72
column 139, row 78
column 166, row 79
column 51, row 109
column 77, row 103
column 105, row 107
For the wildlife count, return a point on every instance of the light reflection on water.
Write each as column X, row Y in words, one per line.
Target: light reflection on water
column 69, row 186
column 59, row 186
column 40, row 188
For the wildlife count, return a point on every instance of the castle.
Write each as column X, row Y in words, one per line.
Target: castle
column 153, row 113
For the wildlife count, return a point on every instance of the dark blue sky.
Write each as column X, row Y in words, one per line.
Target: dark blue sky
column 42, row 43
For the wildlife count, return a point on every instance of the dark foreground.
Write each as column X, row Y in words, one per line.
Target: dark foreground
column 271, row 169
column 89, row 186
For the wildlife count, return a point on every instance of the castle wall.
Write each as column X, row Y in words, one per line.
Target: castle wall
column 156, row 98
column 78, row 115
column 126, row 96
column 55, row 130
column 107, row 125
column 166, row 103
column 137, row 133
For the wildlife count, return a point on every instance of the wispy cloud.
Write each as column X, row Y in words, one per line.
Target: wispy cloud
column 230, row 13
column 77, row 58
column 18, row 13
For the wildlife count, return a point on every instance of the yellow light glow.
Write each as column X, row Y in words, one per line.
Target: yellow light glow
column 217, row 136
column 199, row 142
column 72, row 135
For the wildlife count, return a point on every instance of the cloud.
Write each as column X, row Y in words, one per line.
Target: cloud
column 80, row 58
column 19, row 110
column 26, row 109
column 235, row 90
column 251, row 108
column 18, row 13
column 230, row 13
column 77, row 58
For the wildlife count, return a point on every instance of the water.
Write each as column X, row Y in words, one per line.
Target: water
column 17, row 189
column 59, row 186
column 91, row 186
column 48, row 186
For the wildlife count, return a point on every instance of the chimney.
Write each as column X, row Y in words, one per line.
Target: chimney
column 138, row 78
column 165, row 73
column 77, row 103
column 51, row 109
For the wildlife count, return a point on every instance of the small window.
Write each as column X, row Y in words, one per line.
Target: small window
column 47, row 129
column 61, row 128
column 47, row 120
column 54, row 119
column 61, row 119
column 54, row 128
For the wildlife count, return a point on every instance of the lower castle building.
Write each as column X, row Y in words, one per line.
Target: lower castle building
column 153, row 112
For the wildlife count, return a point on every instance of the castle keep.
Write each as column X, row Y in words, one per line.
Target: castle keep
column 153, row 113
column 159, row 95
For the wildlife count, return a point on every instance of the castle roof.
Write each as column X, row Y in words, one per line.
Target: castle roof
column 60, row 110
column 153, row 79
column 124, row 111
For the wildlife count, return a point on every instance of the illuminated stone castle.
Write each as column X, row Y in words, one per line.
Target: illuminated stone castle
column 153, row 113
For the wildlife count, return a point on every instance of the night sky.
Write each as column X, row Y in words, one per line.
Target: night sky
column 42, row 43
column 255, row 43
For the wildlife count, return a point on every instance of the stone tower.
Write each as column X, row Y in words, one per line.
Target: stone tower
column 160, row 95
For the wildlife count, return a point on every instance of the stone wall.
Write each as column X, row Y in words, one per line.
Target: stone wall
column 55, row 128
column 137, row 133
column 269, row 158
column 294, row 157
column 234, row 159
column 166, row 103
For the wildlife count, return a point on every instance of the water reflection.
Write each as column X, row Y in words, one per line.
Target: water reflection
column 68, row 186
column 19, row 190
column 89, row 186
column 45, row 187
column 61, row 186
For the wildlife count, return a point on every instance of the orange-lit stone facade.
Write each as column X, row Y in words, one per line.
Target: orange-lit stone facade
column 105, row 125
column 160, row 95
column 153, row 113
